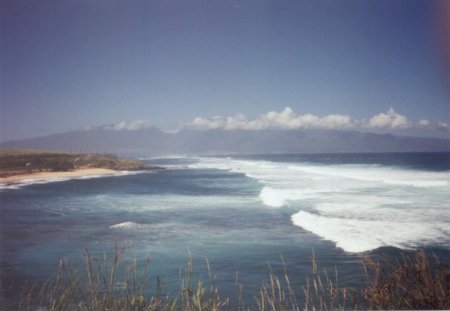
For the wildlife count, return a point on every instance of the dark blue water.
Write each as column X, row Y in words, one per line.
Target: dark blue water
column 432, row 161
column 240, row 212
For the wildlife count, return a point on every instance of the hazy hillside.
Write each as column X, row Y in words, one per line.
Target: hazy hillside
column 98, row 140
column 155, row 142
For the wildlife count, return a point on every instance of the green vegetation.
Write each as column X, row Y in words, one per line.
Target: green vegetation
column 414, row 283
column 18, row 161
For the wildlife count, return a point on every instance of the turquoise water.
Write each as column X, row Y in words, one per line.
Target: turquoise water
column 241, row 212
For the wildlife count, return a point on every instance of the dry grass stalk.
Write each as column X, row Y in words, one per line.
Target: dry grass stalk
column 413, row 283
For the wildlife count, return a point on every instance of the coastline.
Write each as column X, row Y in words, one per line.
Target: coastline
column 41, row 176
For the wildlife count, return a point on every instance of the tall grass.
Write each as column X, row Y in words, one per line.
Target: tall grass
column 111, row 284
column 415, row 282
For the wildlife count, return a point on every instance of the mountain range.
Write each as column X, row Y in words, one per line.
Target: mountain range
column 152, row 141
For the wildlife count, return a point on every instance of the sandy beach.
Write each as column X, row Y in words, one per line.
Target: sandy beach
column 17, row 179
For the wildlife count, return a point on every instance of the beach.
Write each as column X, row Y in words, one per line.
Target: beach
column 36, row 176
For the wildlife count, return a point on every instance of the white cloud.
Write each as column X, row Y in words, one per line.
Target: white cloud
column 424, row 122
column 286, row 119
column 443, row 126
column 390, row 120
column 129, row 126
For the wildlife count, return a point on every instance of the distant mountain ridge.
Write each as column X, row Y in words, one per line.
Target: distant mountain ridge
column 152, row 141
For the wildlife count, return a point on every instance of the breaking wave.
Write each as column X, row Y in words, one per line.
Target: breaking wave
column 359, row 207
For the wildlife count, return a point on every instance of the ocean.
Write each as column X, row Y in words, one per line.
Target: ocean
column 242, row 213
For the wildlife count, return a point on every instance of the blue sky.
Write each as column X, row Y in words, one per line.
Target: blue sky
column 69, row 65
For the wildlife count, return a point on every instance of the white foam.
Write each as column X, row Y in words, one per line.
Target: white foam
column 127, row 225
column 161, row 231
column 165, row 201
column 274, row 197
column 376, row 173
column 175, row 156
column 32, row 181
column 359, row 207
column 359, row 235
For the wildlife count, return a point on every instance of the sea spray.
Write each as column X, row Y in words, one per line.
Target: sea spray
column 360, row 207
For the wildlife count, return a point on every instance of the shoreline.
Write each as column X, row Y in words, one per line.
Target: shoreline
column 41, row 176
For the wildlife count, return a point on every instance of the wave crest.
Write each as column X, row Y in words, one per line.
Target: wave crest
column 360, row 235
column 358, row 206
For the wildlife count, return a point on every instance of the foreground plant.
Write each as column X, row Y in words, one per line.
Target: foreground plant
column 414, row 283
column 111, row 285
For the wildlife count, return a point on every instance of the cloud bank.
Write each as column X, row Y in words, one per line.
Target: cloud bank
column 129, row 126
column 287, row 119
